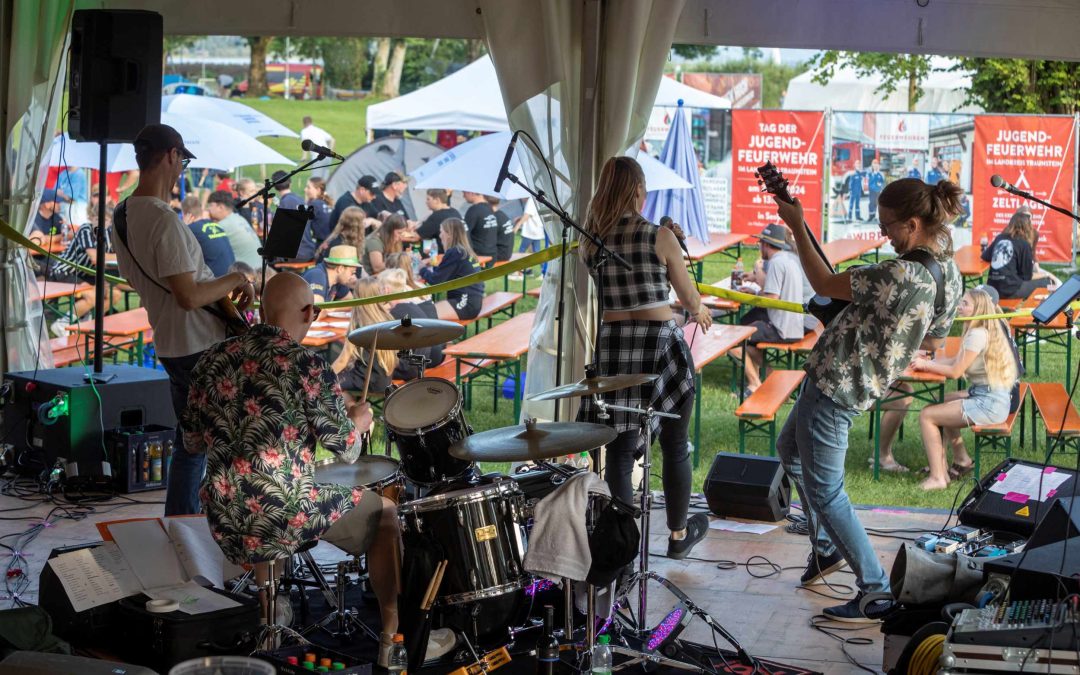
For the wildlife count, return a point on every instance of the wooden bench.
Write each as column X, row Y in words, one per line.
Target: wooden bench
column 998, row 437
column 497, row 352
column 451, row 371
column 790, row 354
column 1059, row 415
column 757, row 413
column 496, row 303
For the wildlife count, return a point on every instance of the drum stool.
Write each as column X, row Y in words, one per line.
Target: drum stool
column 346, row 619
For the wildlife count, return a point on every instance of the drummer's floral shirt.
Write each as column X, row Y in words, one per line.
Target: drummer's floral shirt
column 258, row 405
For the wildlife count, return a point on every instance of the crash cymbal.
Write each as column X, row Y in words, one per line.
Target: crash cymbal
column 593, row 385
column 532, row 441
column 408, row 333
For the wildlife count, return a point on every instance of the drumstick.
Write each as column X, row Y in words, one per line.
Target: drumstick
column 367, row 378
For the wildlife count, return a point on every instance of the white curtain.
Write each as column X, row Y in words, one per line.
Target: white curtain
column 580, row 76
column 32, row 66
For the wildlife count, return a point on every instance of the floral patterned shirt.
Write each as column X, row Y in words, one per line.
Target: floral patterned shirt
column 258, row 405
column 872, row 341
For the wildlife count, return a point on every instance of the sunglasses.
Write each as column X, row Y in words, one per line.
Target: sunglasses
column 315, row 311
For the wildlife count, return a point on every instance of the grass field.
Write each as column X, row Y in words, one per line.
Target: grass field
column 719, row 429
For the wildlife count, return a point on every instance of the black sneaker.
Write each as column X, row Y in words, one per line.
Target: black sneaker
column 696, row 529
column 818, row 566
column 857, row 610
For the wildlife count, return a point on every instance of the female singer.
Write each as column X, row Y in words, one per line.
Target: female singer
column 639, row 335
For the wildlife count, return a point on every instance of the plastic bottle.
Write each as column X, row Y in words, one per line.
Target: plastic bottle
column 414, row 253
column 547, row 648
column 601, row 656
column 583, row 461
column 399, row 660
column 983, row 242
column 737, row 272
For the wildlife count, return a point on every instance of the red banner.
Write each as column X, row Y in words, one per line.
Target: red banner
column 795, row 143
column 1036, row 154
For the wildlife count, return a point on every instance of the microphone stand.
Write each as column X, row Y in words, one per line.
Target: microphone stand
column 266, row 193
column 602, row 256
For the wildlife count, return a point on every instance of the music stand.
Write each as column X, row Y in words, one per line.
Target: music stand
column 286, row 232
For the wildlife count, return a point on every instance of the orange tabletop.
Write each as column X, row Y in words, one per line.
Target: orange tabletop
column 718, row 241
column 508, row 340
column 843, row 250
column 706, row 348
column 298, row 266
column 125, row 324
column 1032, row 301
column 969, row 261
column 483, row 260
column 54, row 245
column 58, row 289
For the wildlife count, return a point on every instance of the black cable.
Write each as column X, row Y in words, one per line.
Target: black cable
column 826, row 626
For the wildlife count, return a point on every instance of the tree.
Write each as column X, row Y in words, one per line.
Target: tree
column 392, row 82
column 895, row 70
column 382, row 61
column 694, row 51
column 1020, row 86
column 257, row 68
column 774, row 76
column 344, row 59
column 428, row 61
column 175, row 43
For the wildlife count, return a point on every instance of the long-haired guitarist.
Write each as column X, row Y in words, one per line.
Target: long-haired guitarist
column 160, row 257
column 896, row 307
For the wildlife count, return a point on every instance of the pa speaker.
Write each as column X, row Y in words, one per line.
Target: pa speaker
column 1061, row 522
column 748, row 486
column 114, row 87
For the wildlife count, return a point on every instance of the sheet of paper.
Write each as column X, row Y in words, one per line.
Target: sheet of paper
column 198, row 552
column 149, row 552
column 1022, row 480
column 193, row 598
column 95, row 576
column 735, row 526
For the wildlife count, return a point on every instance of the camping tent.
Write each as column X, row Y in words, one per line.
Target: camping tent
column 943, row 92
column 470, row 99
column 393, row 153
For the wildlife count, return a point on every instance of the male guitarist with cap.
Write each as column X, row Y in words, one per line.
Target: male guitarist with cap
column 161, row 259
column 896, row 307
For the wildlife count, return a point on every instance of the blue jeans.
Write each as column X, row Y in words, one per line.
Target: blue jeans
column 812, row 446
column 186, row 470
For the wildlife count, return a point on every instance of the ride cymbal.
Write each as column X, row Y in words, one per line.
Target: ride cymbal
column 593, row 385
column 408, row 333
column 532, row 441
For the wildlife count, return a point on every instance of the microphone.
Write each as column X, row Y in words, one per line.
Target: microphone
column 505, row 170
column 1000, row 183
column 309, row 146
column 666, row 221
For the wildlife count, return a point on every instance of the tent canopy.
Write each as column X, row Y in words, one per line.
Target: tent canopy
column 470, row 99
column 847, row 90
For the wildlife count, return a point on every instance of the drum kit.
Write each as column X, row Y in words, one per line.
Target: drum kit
column 480, row 524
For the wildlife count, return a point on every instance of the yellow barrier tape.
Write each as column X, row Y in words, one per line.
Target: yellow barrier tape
column 8, row 232
column 1024, row 311
column 751, row 299
column 532, row 260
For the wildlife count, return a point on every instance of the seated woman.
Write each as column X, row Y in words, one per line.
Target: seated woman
column 382, row 242
column 987, row 362
column 349, row 230
column 404, row 262
column 459, row 261
column 1013, row 270
column 351, row 365
column 393, row 281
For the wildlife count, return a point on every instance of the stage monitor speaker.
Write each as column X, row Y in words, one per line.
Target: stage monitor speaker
column 114, row 87
column 1061, row 522
column 748, row 486
column 994, row 505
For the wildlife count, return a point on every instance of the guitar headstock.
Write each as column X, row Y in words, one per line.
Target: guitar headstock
column 772, row 181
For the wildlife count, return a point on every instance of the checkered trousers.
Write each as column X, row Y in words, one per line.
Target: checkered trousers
column 646, row 282
column 634, row 347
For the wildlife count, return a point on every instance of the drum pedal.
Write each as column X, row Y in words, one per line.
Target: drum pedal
column 491, row 661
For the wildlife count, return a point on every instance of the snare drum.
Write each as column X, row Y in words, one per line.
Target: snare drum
column 424, row 418
column 373, row 472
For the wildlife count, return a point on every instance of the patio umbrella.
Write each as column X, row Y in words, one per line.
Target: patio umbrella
column 685, row 207
column 230, row 113
column 80, row 155
column 474, row 165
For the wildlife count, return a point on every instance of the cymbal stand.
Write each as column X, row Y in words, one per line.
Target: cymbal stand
column 418, row 360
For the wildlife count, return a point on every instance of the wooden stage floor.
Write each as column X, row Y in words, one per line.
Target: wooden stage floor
column 767, row 615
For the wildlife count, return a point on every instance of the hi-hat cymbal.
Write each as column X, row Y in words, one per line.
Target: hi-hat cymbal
column 532, row 441
column 408, row 333
column 593, row 385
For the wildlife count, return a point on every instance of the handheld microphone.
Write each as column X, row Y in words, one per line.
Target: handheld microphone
column 309, row 146
column 666, row 221
column 1000, row 183
column 505, row 169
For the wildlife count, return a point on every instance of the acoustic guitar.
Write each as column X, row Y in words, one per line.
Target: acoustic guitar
column 822, row 308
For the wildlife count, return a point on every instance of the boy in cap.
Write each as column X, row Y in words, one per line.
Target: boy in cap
column 334, row 278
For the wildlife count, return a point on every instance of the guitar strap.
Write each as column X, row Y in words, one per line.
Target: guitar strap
column 120, row 227
column 924, row 258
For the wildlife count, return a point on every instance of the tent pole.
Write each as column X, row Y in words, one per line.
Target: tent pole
column 7, row 9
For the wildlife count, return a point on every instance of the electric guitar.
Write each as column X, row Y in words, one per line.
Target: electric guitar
column 822, row 308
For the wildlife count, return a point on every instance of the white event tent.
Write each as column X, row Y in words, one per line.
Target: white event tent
column 471, row 99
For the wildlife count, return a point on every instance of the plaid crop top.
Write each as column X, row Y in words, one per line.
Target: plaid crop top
column 645, row 284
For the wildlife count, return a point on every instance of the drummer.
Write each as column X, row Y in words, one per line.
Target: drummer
column 259, row 405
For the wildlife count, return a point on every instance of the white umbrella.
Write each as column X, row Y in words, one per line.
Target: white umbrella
column 474, row 165
column 215, row 146
column 80, row 155
column 230, row 113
